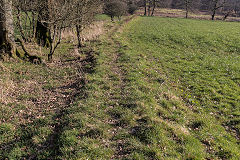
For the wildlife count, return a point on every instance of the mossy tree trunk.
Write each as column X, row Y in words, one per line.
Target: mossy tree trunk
column 6, row 28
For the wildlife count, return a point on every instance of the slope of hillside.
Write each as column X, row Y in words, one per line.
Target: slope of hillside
column 151, row 88
column 187, row 72
column 164, row 89
column 183, row 76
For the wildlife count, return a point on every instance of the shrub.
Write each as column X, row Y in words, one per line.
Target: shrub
column 115, row 9
column 132, row 8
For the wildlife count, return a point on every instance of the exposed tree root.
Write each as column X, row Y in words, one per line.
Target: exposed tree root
column 31, row 58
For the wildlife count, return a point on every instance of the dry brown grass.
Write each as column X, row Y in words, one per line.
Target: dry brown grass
column 40, row 93
column 6, row 85
column 69, row 34
column 90, row 33
column 93, row 31
column 34, row 49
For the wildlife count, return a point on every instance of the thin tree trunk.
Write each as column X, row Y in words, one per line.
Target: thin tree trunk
column 149, row 8
column 53, row 47
column 154, row 6
column 33, row 25
column 19, row 25
column 226, row 15
column 78, row 29
column 50, row 57
column 214, row 10
column 187, row 8
column 43, row 34
column 213, row 14
column 145, row 7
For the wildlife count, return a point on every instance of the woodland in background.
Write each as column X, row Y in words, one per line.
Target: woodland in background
column 42, row 21
column 223, row 7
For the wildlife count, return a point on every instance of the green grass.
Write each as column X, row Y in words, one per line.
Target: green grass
column 186, row 72
column 102, row 17
column 26, row 125
column 157, row 88
column 157, row 80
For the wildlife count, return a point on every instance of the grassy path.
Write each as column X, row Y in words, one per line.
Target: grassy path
column 116, row 95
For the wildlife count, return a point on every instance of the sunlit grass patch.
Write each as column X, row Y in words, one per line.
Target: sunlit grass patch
column 197, row 63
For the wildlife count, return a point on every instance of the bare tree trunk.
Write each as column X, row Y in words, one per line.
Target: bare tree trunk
column 43, row 34
column 186, row 16
column 57, row 35
column 2, row 24
column 112, row 18
column 145, row 7
column 6, row 27
column 149, row 7
column 19, row 25
column 226, row 15
column 217, row 6
column 154, row 6
column 214, row 9
column 187, row 8
column 33, row 25
column 213, row 14
column 78, row 29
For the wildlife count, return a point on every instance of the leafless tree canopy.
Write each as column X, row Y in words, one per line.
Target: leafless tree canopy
column 45, row 20
column 212, row 7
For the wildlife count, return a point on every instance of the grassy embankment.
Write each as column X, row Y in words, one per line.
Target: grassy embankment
column 158, row 88
column 163, row 89
column 183, row 77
